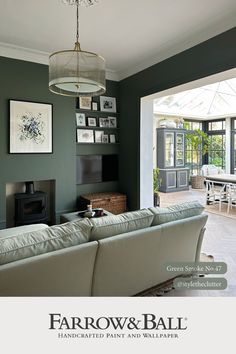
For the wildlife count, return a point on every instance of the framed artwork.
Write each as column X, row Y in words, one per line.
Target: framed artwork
column 112, row 122
column 85, row 136
column 80, row 120
column 98, row 136
column 94, row 106
column 92, row 122
column 85, row 102
column 30, row 127
column 108, row 104
column 104, row 122
column 105, row 138
column 112, row 138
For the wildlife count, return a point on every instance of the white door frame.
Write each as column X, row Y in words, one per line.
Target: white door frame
column 146, row 132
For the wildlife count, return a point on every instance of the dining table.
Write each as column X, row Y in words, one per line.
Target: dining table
column 222, row 177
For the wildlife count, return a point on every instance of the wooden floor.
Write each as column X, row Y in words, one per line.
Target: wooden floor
column 219, row 241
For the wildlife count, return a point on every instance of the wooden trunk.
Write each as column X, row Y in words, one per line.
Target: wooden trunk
column 113, row 202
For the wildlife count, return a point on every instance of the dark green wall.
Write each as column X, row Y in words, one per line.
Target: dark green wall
column 213, row 56
column 29, row 81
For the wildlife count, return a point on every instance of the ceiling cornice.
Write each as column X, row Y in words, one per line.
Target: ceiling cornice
column 22, row 53
column 36, row 56
column 170, row 49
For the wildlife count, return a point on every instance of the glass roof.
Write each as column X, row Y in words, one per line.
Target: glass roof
column 211, row 101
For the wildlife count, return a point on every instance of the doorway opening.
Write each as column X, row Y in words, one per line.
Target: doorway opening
column 222, row 151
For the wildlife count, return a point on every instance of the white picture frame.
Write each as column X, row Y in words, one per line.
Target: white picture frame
column 98, row 136
column 92, row 122
column 105, row 139
column 94, row 106
column 30, row 127
column 112, row 138
column 85, row 136
column 112, row 122
column 80, row 120
column 104, row 122
column 85, row 102
column 108, row 104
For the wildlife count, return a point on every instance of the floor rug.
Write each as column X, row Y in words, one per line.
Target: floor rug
column 214, row 209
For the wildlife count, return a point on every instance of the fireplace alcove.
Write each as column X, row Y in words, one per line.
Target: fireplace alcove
column 30, row 203
column 31, row 208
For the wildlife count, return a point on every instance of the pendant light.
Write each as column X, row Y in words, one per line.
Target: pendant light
column 76, row 72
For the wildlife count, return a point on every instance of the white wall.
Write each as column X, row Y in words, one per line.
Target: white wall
column 146, row 153
column 154, row 152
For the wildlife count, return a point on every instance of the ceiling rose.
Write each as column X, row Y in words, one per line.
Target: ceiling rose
column 81, row 2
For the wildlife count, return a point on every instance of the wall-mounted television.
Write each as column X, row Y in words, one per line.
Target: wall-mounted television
column 96, row 168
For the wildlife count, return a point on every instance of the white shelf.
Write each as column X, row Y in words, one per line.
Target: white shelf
column 96, row 128
column 97, row 143
column 97, row 112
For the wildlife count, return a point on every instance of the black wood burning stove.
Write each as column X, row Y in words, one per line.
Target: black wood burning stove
column 31, row 207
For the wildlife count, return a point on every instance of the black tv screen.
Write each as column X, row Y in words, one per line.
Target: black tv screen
column 96, row 168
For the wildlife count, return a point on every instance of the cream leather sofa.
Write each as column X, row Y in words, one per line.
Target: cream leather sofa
column 120, row 265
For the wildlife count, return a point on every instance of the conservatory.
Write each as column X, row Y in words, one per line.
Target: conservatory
column 212, row 109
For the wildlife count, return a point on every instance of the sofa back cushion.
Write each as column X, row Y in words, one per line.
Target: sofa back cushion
column 13, row 231
column 118, row 224
column 176, row 212
column 50, row 239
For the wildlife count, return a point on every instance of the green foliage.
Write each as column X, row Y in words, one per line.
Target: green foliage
column 199, row 142
column 217, row 150
column 187, row 125
column 217, row 142
column 156, row 180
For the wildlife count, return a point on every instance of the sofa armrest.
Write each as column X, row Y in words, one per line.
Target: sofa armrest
column 66, row 272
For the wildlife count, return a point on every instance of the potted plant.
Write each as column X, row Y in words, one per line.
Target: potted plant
column 199, row 142
column 156, row 185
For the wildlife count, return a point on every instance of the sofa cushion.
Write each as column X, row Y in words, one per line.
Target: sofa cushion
column 118, row 224
column 13, row 231
column 176, row 212
column 42, row 241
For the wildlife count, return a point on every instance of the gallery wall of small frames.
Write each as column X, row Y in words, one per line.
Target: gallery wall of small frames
column 91, row 127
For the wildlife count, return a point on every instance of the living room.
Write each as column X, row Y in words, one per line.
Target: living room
column 205, row 49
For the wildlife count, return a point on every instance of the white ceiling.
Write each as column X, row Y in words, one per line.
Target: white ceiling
column 130, row 34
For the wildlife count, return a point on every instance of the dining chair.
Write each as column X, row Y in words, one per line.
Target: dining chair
column 216, row 192
column 231, row 196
